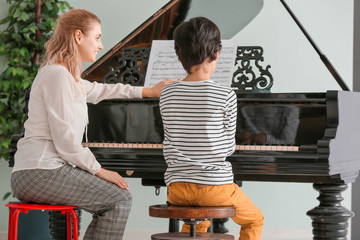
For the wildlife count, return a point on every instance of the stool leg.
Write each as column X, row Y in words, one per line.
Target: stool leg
column 75, row 224
column 14, row 227
column 68, row 225
column 11, row 223
column 173, row 225
column 192, row 230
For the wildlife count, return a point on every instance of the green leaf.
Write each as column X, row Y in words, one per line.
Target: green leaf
column 6, row 86
column 6, row 143
column 49, row 6
column 26, row 84
column 33, row 29
column 23, row 4
column 9, row 71
column 6, row 195
column 5, row 20
column 23, row 51
column 17, row 13
column 24, row 16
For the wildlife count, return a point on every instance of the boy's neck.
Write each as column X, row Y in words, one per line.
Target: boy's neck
column 192, row 78
column 201, row 72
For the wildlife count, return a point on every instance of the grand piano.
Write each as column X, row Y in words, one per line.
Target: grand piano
column 280, row 137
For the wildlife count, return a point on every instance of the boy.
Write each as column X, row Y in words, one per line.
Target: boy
column 199, row 118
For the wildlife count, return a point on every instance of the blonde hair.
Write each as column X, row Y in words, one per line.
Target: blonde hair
column 61, row 48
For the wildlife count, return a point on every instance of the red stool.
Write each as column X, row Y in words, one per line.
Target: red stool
column 17, row 208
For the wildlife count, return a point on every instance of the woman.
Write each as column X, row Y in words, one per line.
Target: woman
column 51, row 166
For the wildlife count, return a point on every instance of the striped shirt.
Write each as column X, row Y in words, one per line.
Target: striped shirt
column 199, row 119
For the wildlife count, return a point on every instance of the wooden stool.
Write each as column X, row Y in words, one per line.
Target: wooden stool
column 191, row 216
column 17, row 208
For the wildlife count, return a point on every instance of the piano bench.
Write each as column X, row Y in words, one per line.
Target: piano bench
column 17, row 208
column 191, row 216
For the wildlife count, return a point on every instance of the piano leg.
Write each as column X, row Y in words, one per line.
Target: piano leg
column 330, row 219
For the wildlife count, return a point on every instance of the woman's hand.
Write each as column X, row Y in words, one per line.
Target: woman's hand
column 155, row 91
column 112, row 177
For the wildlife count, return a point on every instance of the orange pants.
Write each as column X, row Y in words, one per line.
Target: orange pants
column 248, row 216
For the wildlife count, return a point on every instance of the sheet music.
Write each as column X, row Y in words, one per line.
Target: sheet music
column 164, row 64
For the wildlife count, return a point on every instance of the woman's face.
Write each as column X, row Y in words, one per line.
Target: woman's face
column 90, row 43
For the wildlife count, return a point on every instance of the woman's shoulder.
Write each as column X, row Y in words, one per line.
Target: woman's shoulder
column 51, row 68
column 53, row 75
column 54, row 71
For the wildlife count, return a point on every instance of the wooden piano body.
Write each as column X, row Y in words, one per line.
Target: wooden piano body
column 310, row 137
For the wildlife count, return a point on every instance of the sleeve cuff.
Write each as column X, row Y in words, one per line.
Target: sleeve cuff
column 138, row 92
column 95, row 169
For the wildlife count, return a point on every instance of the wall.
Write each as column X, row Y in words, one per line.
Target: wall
column 294, row 65
column 355, row 198
column 4, row 169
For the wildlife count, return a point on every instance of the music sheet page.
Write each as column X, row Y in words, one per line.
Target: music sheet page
column 164, row 64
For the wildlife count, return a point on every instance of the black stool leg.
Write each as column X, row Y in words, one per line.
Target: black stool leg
column 192, row 223
column 173, row 225
column 192, row 230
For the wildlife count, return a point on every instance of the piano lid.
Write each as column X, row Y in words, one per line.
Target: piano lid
column 230, row 16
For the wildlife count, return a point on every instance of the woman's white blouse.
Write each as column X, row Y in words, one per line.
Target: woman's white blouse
column 57, row 118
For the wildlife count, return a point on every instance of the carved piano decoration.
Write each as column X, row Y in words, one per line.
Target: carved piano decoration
column 281, row 137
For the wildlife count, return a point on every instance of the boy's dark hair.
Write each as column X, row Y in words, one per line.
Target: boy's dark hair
column 195, row 41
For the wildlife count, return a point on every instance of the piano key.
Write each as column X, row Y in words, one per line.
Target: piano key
column 160, row 146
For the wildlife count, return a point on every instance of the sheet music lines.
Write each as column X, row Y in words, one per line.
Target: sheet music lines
column 164, row 64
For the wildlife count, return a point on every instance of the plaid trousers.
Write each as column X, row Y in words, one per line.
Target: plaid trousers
column 109, row 204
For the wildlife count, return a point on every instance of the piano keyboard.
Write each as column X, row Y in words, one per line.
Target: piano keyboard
column 160, row 146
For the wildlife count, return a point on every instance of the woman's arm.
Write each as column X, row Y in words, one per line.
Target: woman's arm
column 96, row 92
column 155, row 91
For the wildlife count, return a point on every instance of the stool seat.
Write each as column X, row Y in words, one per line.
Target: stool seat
column 187, row 212
column 34, row 206
column 191, row 215
column 17, row 208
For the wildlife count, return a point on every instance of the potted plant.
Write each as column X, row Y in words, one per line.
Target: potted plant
column 28, row 26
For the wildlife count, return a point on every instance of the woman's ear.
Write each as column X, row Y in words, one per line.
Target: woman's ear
column 78, row 37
